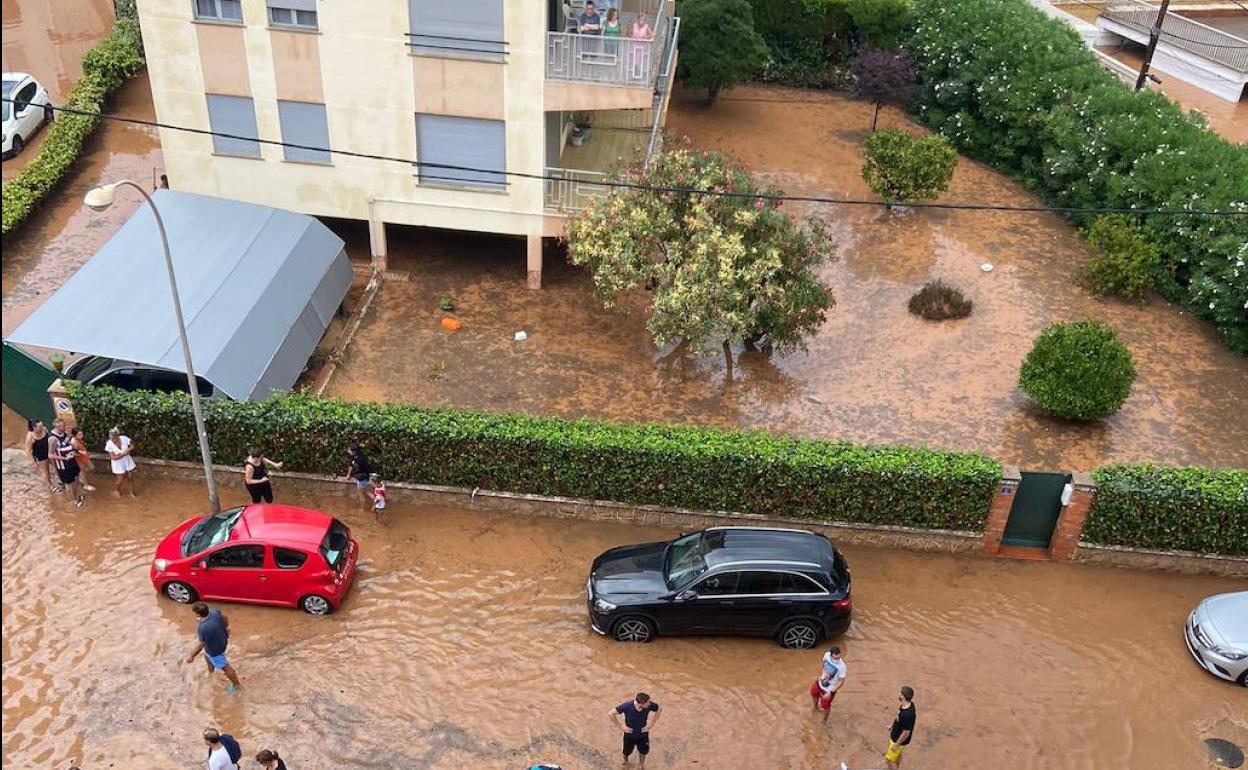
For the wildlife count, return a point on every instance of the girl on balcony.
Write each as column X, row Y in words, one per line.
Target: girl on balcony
column 641, row 35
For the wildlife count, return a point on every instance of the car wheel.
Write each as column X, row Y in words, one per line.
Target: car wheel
column 633, row 629
column 48, row 113
column 800, row 635
column 1243, row 679
column 18, row 144
column 314, row 604
column 180, row 592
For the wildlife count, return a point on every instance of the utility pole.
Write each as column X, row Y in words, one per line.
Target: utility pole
column 1153, row 35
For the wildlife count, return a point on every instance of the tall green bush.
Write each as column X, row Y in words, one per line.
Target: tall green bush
column 881, row 23
column 1126, row 261
column 105, row 68
column 649, row 464
column 1080, row 371
column 1185, row 509
column 1020, row 91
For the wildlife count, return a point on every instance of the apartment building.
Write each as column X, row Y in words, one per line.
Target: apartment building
column 466, row 106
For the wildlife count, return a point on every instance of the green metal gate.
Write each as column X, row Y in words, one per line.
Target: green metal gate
column 1037, row 504
column 26, row 382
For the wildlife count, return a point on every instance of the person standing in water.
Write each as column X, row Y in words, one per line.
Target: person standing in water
column 256, row 475
column 37, row 448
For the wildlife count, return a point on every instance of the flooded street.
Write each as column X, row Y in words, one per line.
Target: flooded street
column 46, row 39
column 464, row 644
column 874, row 373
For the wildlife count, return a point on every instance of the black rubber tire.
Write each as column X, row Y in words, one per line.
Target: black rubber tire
column 18, row 144
column 800, row 635
column 633, row 628
column 315, row 604
column 1243, row 679
column 184, row 596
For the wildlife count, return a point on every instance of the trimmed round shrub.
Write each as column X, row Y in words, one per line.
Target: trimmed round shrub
column 902, row 168
column 1126, row 261
column 938, row 301
column 1078, row 370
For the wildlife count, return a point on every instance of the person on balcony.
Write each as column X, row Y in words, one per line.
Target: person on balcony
column 611, row 29
column 641, row 35
column 589, row 22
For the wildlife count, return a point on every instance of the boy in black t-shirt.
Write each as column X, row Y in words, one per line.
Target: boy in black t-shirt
column 903, row 729
column 636, row 730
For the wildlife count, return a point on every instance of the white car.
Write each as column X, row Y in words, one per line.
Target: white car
column 25, row 108
column 1217, row 636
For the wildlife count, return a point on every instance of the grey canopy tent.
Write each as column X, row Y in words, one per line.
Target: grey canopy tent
column 258, row 285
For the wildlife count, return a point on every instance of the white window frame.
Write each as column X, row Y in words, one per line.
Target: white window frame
column 294, row 22
column 219, row 17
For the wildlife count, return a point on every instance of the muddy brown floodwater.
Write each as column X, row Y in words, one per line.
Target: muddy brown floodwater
column 464, row 644
column 874, row 373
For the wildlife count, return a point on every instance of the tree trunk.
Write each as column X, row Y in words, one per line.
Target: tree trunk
column 727, row 361
column 875, row 117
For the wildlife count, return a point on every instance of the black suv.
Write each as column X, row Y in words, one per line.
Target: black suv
column 786, row 583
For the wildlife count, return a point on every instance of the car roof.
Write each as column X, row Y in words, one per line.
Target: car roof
column 282, row 525
column 766, row 547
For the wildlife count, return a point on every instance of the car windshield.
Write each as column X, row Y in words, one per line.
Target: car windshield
column 90, row 368
column 210, row 531
column 9, row 85
column 335, row 545
column 685, row 560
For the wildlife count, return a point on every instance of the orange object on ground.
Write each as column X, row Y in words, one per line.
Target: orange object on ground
column 452, row 324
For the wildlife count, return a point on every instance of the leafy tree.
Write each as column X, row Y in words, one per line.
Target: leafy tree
column 723, row 268
column 1078, row 370
column 882, row 76
column 718, row 44
column 1126, row 262
column 902, row 168
column 882, row 23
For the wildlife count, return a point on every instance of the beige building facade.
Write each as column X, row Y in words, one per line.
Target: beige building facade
column 466, row 107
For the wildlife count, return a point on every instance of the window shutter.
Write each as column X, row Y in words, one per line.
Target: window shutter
column 467, row 142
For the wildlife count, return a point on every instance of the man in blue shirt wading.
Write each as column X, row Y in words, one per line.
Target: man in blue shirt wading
column 636, row 730
column 214, row 636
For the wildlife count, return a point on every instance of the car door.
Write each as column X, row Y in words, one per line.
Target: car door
column 234, row 571
column 714, row 609
column 760, row 602
column 28, row 113
column 287, row 574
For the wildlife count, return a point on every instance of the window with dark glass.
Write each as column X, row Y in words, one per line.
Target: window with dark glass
column 238, row 556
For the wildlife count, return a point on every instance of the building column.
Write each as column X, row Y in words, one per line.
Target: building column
column 535, row 261
column 1070, row 523
column 376, row 238
column 999, row 513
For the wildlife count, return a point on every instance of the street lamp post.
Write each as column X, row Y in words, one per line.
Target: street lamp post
column 100, row 198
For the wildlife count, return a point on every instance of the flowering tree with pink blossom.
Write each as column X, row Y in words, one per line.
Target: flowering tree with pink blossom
column 724, row 266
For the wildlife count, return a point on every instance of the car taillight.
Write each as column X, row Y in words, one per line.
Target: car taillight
column 843, row 604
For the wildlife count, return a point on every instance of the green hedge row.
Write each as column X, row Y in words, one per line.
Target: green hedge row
column 1188, row 509
column 697, row 468
column 811, row 41
column 1020, row 91
column 104, row 69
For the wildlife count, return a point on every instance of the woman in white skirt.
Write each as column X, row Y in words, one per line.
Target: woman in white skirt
column 119, row 448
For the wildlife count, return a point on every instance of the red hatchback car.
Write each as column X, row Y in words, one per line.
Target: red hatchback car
column 259, row 554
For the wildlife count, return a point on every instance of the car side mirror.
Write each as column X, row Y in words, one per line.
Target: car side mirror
column 687, row 595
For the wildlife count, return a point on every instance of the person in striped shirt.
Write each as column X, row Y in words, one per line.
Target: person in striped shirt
column 65, row 458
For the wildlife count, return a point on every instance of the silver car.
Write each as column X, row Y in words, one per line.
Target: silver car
column 1217, row 636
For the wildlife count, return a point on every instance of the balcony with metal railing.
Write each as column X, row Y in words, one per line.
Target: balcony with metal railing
column 633, row 59
column 1203, row 40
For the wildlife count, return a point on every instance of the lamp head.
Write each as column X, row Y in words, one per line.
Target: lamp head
column 100, row 198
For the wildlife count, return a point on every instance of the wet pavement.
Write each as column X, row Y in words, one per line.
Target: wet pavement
column 464, row 644
column 874, row 373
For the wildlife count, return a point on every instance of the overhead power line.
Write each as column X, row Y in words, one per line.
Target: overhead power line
column 619, row 184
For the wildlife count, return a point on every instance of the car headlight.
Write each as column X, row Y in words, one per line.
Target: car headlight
column 161, row 565
column 1230, row 653
column 601, row 606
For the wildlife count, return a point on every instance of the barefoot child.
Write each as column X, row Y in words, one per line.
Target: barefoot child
column 82, row 456
column 379, row 496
